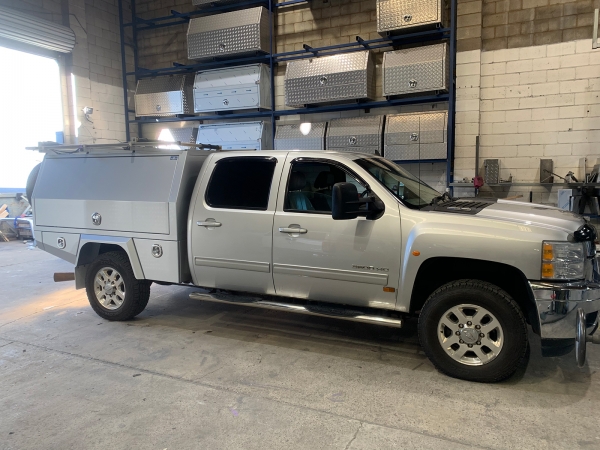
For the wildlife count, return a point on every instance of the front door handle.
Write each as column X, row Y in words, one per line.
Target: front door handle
column 293, row 230
column 209, row 224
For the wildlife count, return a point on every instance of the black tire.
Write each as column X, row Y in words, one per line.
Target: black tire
column 31, row 179
column 137, row 292
column 498, row 303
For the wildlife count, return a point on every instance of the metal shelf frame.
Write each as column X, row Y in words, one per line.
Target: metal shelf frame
column 137, row 25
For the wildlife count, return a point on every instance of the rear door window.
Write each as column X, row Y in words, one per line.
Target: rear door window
column 241, row 183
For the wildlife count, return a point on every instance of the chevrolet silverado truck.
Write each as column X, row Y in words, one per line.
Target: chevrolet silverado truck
column 336, row 234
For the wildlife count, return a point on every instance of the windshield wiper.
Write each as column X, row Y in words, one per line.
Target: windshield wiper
column 445, row 197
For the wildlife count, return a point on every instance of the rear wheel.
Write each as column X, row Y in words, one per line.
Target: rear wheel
column 112, row 289
column 473, row 330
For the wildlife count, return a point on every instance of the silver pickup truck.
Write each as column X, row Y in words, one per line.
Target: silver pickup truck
column 343, row 235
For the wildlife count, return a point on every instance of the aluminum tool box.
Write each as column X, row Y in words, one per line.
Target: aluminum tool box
column 347, row 76
column 187, row 135
column 141, row 200
column 237, row 135
column 164, row 96
column 305, row 136
column 357, row 134
column 406, row 15
column 414, row 70
column 416, row 136
column 233, row 88
column 233, row 33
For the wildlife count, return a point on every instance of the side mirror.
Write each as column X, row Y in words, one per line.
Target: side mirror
column 344, row 201
column 346, row 204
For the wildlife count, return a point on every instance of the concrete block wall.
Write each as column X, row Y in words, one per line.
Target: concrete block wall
column 95, row 66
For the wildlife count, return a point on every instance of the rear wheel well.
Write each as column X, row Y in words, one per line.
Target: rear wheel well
column 90, row 251
column 435, row 272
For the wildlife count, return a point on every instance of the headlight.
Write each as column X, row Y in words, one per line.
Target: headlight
column 562, row 260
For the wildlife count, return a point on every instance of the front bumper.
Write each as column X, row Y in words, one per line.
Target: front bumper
column 558, row 304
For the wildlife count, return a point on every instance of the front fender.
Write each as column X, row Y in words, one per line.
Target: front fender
column 459, row 236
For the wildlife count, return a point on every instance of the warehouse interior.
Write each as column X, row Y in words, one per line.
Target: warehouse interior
column 481, row 99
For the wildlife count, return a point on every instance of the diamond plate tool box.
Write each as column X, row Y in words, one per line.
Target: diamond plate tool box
column 237, row 135
column 164, row 96
column 347, row 76
column 357, row 134
column 305, row 136
column 415, row 70
column 233, row 33
column 397, row 16
column 233, row 88
column 416, row 136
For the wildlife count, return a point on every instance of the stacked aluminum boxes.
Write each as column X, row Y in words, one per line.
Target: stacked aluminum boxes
column 348, row 76
column 416, row 136
column 164, row 96
column 418, row 69
column 305, row 136
column 233, row 33
column 237, row 135
column 233, row 88
column 406, row 15
column 358, row 134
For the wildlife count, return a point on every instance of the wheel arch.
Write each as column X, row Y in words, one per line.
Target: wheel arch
column 91, row 246
column 435, row 272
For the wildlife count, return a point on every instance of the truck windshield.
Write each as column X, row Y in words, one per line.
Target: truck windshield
column 406, row 187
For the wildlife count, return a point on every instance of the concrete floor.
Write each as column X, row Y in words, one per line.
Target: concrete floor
column 193, row 375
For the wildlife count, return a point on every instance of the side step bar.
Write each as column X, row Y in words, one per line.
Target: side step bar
column 332, row 311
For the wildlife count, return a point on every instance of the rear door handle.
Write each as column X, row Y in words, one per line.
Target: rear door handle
column 293, row 230
column 209, row 224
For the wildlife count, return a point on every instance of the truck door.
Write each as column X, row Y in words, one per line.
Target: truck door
column 232, row 221
column 317, row 258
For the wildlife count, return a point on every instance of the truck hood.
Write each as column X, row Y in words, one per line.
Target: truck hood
column 532, row 214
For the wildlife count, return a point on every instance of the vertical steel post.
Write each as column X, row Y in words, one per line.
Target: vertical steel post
column 452, row 97
column 272, row 66
column 135, row 52
column 124, row 70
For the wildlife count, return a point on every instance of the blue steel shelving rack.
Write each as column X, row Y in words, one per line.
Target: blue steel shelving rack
column 138, row 24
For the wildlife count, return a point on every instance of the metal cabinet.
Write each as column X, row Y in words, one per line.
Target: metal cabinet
column 347, row 76
column 237, row 135
column 357, row 134
column 233, row 33
column 416, row 136
column 406, row 15
column 164, row 96
column 233, row 88
column 413, row 70
column 304, row 136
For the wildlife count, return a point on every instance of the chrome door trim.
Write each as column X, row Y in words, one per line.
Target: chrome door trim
column 237, row 264
column 332, row 274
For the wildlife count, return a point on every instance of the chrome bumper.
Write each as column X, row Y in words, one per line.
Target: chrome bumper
column 558, row 304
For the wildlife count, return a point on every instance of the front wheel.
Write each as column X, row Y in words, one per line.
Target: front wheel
column 474, row 331
column 112, row 289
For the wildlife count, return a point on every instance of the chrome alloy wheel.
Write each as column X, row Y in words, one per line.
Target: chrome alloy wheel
column 470, row 335
column 109, row 287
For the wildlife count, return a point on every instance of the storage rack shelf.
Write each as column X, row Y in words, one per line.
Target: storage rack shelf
column 138, row 24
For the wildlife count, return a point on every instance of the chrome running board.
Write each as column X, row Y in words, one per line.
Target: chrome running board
column 329, row 310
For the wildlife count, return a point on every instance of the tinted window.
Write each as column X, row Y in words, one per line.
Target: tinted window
column 241, row 183
column 310, row 186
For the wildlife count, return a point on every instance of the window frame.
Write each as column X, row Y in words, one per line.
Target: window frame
column 332, row 162
column 271, row 159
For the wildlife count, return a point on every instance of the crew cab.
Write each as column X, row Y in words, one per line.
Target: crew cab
column 336, row 234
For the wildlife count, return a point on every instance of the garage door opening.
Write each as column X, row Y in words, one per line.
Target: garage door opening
column 31, row 112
